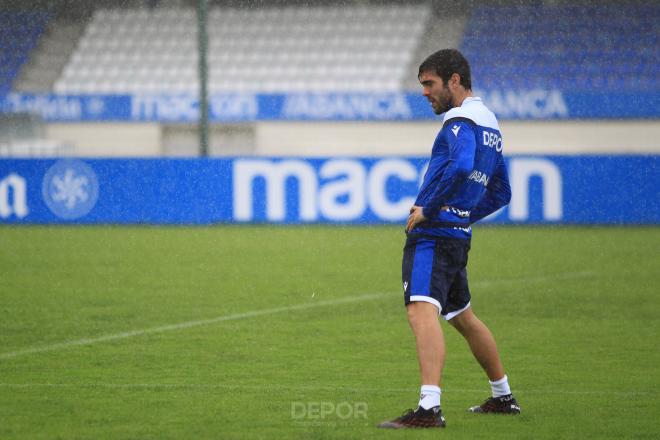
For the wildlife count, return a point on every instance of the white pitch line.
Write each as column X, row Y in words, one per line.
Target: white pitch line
column 252, row 314
column 189, row 324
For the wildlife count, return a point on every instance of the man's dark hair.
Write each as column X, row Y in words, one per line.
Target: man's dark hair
column 445, row 63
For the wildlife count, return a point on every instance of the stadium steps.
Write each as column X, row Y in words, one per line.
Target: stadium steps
column 444, row 29
column 19, row 33
column 50, row 56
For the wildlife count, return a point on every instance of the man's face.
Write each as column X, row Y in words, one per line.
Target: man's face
column 439, row 95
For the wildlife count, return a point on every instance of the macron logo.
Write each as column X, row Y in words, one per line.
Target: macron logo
column 455, row 129
column 405, row 285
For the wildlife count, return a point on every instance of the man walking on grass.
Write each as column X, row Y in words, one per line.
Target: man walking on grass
column 466, row 181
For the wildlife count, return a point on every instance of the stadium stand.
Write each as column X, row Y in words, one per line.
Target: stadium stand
column 280, row 49
column 19, row 33
column 368, row 47
column 566, row 47
column 142, row 46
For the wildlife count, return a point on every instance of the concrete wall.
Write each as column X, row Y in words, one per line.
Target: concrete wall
column 520, row 137
column 108, row 139
column 352, row 138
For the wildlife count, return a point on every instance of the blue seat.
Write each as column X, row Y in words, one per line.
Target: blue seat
column 568, row 47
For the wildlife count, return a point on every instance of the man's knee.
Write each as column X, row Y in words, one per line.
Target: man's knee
column 420, row 311
column 464, row 321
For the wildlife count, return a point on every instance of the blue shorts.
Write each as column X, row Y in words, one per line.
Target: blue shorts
column 434, row 271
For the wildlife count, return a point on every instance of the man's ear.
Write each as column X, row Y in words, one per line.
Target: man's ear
column 455, row 80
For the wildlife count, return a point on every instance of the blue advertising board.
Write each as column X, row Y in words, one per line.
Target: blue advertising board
column 545, row 189
column 535, row 104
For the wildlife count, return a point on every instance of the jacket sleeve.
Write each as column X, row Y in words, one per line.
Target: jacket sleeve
column 498, row 193
column 462, row 148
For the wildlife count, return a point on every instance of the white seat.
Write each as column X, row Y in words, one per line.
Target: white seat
column 273, row 49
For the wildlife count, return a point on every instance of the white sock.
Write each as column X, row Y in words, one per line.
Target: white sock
column 429, row 396
column 500, row 387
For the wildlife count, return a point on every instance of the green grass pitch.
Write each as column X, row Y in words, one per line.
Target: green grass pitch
column 248, row 332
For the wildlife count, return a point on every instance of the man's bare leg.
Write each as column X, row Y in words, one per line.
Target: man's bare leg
column 423, row 320
column 481, row 342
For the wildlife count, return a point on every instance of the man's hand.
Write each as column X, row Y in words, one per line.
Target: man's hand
column 416, row 217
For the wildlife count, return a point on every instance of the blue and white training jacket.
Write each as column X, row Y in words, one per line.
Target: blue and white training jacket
column 466, row 172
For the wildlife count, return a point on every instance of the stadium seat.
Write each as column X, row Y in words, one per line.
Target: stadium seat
column 274, row 49
column 567, row 47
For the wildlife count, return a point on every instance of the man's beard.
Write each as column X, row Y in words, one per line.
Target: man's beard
column 443, row 104
column 441, row 110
